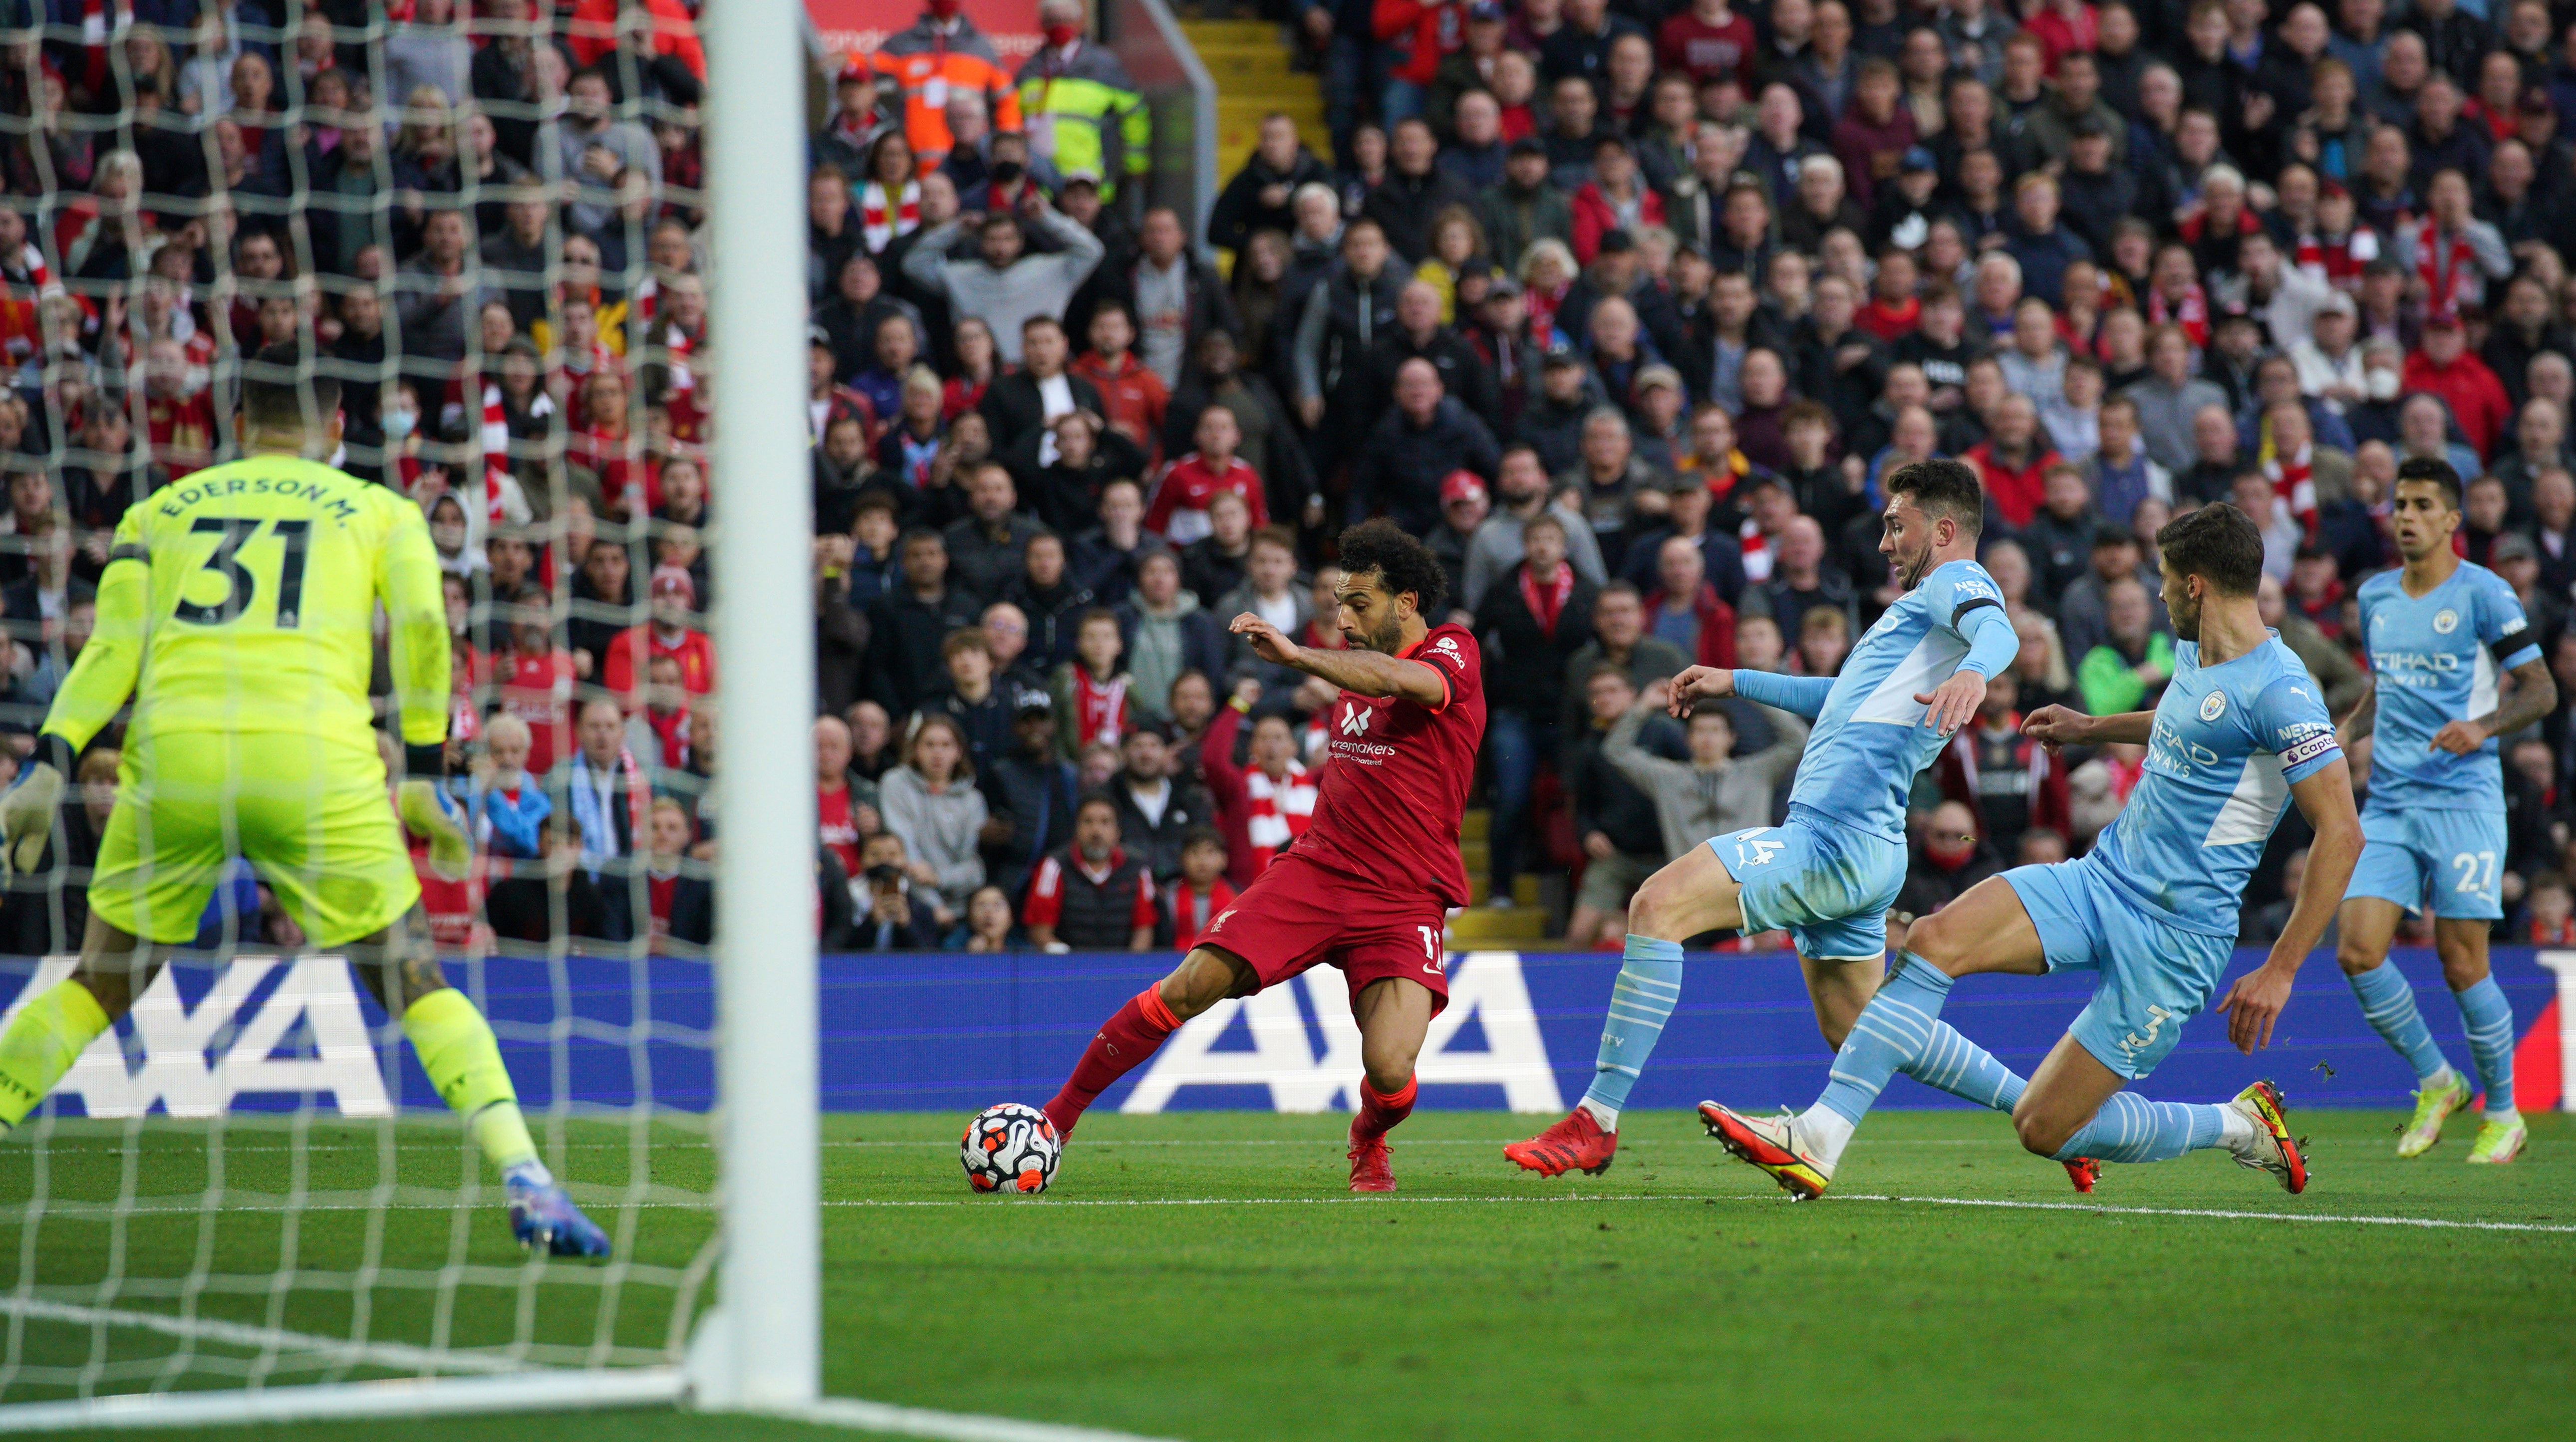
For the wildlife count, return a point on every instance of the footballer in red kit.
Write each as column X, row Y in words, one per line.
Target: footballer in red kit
column 1368, row 886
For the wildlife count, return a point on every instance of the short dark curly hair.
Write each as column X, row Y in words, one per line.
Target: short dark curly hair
column 1401, row 562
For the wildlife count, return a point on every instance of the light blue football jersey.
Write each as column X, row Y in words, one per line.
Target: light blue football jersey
column 1870, row 740
column 2435, row 659
column 2229, row 742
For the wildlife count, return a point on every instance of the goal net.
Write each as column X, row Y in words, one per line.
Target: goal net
column 491, row 230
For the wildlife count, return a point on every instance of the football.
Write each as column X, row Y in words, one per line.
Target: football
column 1010, row 1148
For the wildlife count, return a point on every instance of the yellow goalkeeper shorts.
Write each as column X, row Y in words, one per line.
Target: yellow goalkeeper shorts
column 310, row 814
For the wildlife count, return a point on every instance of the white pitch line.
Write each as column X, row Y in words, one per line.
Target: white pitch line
column 396, row 1355
column 951, row 1426
column 2437, row 1223
column 2215, row 1214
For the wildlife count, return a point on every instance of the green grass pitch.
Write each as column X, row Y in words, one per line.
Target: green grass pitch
column 1206, row 1276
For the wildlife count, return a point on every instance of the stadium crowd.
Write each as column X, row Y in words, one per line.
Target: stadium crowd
column 1626, row 308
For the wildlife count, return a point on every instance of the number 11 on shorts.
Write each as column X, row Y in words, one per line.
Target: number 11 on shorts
column 1430, row 948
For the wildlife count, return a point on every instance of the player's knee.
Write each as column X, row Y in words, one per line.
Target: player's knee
column 1938, row 941
column 1387, row 1075
column 1203, row 979
column 1653, row 910
column 2354, row 958
column 2464, row 965
column 2040, row 1135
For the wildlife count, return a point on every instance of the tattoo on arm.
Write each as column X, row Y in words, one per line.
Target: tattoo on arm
column 2535, row 694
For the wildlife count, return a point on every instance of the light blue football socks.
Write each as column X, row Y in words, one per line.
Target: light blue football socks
column 2388, row 1004
column 1649, row 985
column 2132, row 1129
column 1894, row 1033
column 2489, row 1020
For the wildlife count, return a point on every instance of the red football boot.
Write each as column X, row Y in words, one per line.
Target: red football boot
column 1370, row 1171
column 2083, row 1172
column 1574, row 1144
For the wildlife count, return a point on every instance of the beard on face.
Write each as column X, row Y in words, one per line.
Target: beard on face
column 2185, row 615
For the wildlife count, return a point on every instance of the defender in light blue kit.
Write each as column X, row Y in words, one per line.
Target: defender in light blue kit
column 1828, row 875
column 2240, row 730
column 2440, row 633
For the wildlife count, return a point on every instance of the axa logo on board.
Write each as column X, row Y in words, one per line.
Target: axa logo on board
column 196, row 1060
column 1486, row 986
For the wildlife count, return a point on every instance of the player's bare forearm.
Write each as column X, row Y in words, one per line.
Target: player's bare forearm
column 2064, row 726
column 2325, row 799
column 2535, row 694
column 2361, row 720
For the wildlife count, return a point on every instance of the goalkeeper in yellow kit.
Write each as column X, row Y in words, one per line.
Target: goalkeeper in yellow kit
column 237, row 610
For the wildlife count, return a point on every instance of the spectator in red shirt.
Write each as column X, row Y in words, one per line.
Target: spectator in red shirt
column 1092, row 895
column 180, row 420
column 536, row 681
column 1133, row 397
column 1180, row 509
column 1710, row 43
column 674, row 599
column 668, row 716
column 683, row 907
column 2443, row 364
column 1261, row 807
column 844, row 805
column 1202, row 892
column 2013, row 461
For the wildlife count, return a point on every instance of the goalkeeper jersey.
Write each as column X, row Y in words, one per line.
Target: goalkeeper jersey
column 243, row 599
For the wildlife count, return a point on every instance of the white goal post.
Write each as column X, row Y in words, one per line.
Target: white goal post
column 758, row 1348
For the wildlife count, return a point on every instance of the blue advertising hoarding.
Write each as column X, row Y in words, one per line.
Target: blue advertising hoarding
column 954, row 1031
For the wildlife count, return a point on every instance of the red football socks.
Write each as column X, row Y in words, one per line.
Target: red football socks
column 1122, row 1044
column 1379, row 1114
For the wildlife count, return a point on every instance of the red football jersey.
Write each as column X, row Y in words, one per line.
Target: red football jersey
column 1400, row 770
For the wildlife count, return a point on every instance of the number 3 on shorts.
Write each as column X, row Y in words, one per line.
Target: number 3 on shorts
column 2477, row 872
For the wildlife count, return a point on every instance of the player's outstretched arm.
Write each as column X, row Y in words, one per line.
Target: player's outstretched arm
column 2255, row 1001
column 1370, row 673
column 2056, row 726
column 1801, row 696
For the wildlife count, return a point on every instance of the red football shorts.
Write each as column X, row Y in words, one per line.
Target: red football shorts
column 1298, row 914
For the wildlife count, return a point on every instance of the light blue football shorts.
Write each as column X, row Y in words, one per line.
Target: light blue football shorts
column 2152, row 975
column 1827, row 885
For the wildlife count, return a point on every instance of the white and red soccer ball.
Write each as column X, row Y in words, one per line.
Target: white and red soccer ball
column 1010, row 1148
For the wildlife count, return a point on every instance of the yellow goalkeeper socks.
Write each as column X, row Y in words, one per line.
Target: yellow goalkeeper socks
column 456, row 1048
column 41, row 1045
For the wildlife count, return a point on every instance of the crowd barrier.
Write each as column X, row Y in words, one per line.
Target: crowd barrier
column 951, row 1031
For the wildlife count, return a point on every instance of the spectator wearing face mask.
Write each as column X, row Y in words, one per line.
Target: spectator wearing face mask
column 1950, row 856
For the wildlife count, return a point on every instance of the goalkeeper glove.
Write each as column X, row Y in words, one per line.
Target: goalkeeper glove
column 27, row 814
column 427, row 813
